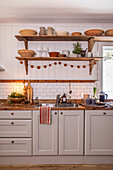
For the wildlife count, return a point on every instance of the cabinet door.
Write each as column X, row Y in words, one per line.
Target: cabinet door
column 71, row 132
column 99, row 132
column 45, row 136
column 15, row 128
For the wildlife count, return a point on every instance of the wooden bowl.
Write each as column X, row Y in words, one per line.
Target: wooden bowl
column 76, row 33
column 94, row 32
column 54, row 54
column 28, row 32
column 26, row 53
column 109, row 32
column 16, row 100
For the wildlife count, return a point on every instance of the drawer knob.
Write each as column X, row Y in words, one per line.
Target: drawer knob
column 61, row 113
column 12, row 123
column 12, row 113
column 12, row 141
column 104, row 113
column 55, row 113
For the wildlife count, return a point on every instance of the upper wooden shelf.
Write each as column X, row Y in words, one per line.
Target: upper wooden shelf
column 53, row 38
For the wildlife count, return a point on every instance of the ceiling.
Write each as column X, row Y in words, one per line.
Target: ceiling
column 33, row 11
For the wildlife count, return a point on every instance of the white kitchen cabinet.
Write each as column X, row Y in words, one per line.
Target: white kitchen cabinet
column 68, row 141
column 99, row 132
column 15, row 114
column 15, row 132
column 15, row 128
column 15, row 146
column 71, row 132
column 45, row 136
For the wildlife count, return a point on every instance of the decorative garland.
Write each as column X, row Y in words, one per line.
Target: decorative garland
column 57, row 63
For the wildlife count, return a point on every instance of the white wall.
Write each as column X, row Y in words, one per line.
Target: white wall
column 9, row 47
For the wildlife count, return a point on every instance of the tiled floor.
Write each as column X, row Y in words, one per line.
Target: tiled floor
column 58, row 167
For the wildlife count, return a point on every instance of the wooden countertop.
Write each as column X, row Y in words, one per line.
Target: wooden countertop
column 5, row 106
column 33, row 107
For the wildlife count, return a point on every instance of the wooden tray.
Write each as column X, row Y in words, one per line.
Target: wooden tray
column 93, row 106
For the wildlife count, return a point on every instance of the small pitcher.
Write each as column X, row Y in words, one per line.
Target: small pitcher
column 42, row 31
column 50, row 31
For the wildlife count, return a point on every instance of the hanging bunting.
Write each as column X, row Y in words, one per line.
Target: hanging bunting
column 55, row 63
column 38, row 67
column 65, row 65
column 21, row 62
column 45, row 66
column 78, row 66
column 32, row 66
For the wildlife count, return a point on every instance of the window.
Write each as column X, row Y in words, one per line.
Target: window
column 108, row 71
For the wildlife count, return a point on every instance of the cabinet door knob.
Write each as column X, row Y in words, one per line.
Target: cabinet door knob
column 61, row 113
column 55, row 113
column 12, row 113
column 104, row 113
column 12, row 123
column 12, row 141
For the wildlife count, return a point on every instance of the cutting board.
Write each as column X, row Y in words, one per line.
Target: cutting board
column 29, row 93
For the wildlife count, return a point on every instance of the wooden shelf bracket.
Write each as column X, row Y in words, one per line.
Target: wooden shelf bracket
column 26, row 66
column 26, row 43
column 91, row 43
column 91, row 64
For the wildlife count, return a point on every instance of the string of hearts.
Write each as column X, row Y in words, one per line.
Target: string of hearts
column 57, row 63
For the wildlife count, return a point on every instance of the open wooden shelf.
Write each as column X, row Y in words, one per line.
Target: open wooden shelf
column 53, row 38
column 90, row 59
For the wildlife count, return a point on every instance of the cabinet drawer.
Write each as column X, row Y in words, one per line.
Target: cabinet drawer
column 15, row 114
column 14, row 146
column 15, row 128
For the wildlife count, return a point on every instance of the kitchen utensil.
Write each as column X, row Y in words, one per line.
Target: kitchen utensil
column 26, row 53
column 54, row 54
column 28, row 32
column 76, row 33
column 109, row 32
column 102, row 96
column 94, row 32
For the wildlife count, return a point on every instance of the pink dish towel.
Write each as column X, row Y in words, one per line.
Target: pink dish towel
column 45, row 115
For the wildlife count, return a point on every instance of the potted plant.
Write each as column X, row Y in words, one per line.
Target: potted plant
column 77, row 49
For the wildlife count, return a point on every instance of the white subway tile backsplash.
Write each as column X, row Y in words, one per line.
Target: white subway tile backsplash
column 48, row 90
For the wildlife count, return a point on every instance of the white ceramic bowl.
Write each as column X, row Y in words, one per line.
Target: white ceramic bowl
column 62, row 33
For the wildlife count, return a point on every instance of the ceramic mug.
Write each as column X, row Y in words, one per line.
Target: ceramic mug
column 66, row 52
